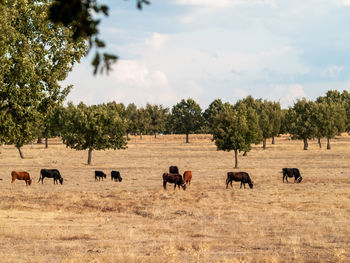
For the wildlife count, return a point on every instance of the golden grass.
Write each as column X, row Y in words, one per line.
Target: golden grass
column 137, row 221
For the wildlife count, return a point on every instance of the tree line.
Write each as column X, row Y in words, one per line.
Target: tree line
column 37, row 51
column 234, row 127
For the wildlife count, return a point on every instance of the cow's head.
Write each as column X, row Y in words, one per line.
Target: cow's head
column 183, row 187
column 30, row 181
column 299, row 179
column 61, row 180
column 120, row 179
column 251, row 184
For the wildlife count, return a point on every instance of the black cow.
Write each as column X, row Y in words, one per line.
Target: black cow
column 291, row 172
column 173, row 170
column 242, row 177
column 115, row 175
column 99, row 175
column 50, row 173
column 175, row 179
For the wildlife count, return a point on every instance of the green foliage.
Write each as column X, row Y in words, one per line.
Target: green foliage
column 132, row 118
column 210, row 113
column 251, row 107
column 158, row 118
column 236, row 128
column 301, row 120
column 97, row 127
column 35, row 55
column 186, row 117
column 346, row 100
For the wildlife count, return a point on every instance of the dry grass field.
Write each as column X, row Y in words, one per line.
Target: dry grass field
column 137, row 221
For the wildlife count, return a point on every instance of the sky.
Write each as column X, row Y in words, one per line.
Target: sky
column 278, row 50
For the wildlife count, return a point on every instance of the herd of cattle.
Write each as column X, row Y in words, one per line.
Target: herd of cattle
column 173, row 177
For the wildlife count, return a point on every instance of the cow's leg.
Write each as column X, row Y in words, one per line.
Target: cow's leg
column 241, row 184
column 13, row 180
column 227, row 182
column 174, row 186
column 164, row 185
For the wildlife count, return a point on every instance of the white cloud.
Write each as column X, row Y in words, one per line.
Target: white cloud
column 135, row 82
column 287, row 94
column 346, row 2
column 222, row 3
column 331, row 71
column 157, row 41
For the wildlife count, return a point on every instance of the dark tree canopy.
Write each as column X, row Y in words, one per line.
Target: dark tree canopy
column 80, row 15
column 186, row 117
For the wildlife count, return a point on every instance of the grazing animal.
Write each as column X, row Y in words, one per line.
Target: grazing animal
column 173, row 170
column 242, row 177
column 187, row 177
column 21, row 175
column 115, row 175
column 175, row 179
column 51, row 173
column 99, row 175
column 291, row 172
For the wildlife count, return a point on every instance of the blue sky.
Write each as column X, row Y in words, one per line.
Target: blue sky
column 279, row 50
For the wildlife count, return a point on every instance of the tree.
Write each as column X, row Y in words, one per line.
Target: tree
column 96, row 127
column 210, row 113
column 51, row 125
column 301, row 121
column 158, row 116
column 234, row 128
column 346, row 100
column 254, row 134
column 330, row 120
column 269, row 120
column 143, row 121
column 186, row 117
column 80, row 15
column 276, row 119
column 131, row 116
column 35, row 55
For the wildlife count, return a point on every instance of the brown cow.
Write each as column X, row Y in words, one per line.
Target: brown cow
column 175, row 179
column 242, row 177
column 187, row 177
column 21, row 175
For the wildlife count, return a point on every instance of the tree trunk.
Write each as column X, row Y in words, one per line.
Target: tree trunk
column 328, row 144
column 236, row 158
column 20, row 152
column 39, row 141
column 89, row 155
column 155, row 135
column 141, row 136
column 46, row 143
column 245, row 154
column 264, row 143
column 127, row 136
column 319, row 142
column 273, row 140
column 186, row 137
column 306, row 145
